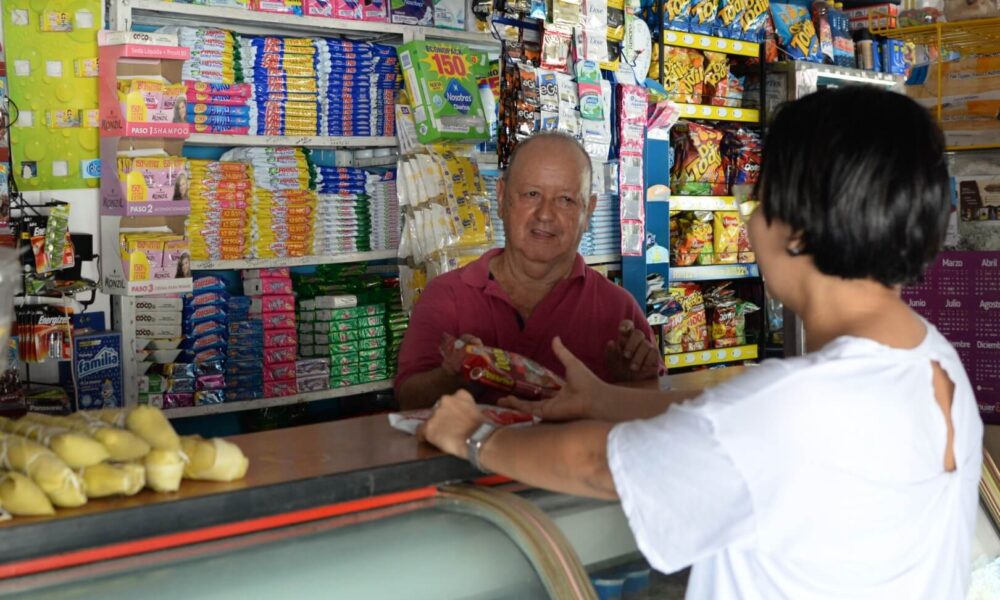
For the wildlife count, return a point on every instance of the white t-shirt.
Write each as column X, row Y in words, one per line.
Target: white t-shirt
column 820, row 476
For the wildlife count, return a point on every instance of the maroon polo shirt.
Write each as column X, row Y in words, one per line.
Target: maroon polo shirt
column 584, row 310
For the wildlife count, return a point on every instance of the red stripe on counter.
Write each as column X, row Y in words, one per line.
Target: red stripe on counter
column 185, row 538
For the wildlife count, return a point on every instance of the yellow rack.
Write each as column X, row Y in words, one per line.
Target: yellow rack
column 710, row 357
column 718, row 113
column 697, row 41
column 979, row 36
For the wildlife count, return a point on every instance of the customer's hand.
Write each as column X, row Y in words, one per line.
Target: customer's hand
column 454, row 419
column 632, row 356
column 576, row 400
column 452, row 363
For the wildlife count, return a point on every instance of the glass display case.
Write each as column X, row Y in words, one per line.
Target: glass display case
column 467, row 542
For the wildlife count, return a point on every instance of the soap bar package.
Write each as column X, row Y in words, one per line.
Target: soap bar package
column 441, row 81
column 97, row 367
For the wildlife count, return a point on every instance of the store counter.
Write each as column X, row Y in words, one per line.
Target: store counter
column 296, row 476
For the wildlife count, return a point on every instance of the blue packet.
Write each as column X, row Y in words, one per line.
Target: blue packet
column 246, row 340
column 677, row 15
column 208, row 283
column 208, row 355
column 703, row 16
column 753, row 20
column 728, row 18
column 207, row 329
column 240, row 394
column 210, row 367
column 209, row 397
column 245, row 380
column 240, row 367
column 205, row 342
column 206, row 299
column 796, row 33
column 241, row 353
column 239, row 302
column 255, row 326
column 195, row 315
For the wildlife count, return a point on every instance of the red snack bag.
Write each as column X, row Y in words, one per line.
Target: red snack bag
column 502, row 370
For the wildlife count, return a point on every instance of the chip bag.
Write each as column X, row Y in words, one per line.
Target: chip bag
column 728, row 326
column 691, row 238
column 699, row 164
column 502, row 370
column 687, row 330
column 796, row 32
column 726, row 236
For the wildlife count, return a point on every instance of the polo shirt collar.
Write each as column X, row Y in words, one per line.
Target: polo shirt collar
column 477, row 274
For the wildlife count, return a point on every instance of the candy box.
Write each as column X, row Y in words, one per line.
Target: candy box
column 312, row 384
column 318, row 8
column 502, row 370
column 97, row 368
column 412, row 12
column 449, row 14
column 442, row 84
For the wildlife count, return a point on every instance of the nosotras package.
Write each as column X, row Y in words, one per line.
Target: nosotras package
column 442, row 80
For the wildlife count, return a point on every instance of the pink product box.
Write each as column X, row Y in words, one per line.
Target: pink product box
column 279, row 320
column 270, row 304
column 267, row 286
column 273, row 389
column 272, row 272
column 347, row 9
column 377, row 11
column 279, row 355
column 279, row 371
column 318, row 8
column 280, row 338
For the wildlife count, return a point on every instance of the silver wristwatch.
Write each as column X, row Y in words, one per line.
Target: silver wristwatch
column 474, row 443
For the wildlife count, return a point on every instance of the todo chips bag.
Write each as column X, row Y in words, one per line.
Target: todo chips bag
column 499, row 369
column 409, row 420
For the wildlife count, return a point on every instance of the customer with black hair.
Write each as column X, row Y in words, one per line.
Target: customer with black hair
column 850, row 472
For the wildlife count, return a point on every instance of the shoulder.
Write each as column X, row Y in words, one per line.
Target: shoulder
column 605, row 288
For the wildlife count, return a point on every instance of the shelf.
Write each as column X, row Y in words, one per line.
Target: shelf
column 715, row 44
column 375, row 161
column 710, row 357
column 301, row 261
column 603, row 259
column 713, row 272
column 839, row 73
column 211, row 139
column 981, row 36
column 118, row 286
column 703, row 203
column 228, row 407
column 166, row 208
column 719, row 113
column 157, row 12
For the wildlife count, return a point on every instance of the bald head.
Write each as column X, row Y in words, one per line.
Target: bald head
column 563, row 147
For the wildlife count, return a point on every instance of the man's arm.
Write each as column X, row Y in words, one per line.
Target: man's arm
column 422, row 390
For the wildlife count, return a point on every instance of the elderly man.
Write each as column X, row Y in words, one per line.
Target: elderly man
column 536, row 288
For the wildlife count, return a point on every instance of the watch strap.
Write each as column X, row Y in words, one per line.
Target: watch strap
column 475, row 442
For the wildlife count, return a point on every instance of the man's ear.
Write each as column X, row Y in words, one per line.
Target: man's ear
column 591, row 206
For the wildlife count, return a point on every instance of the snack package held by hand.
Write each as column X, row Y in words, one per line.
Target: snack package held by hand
column 408, row 421
column 502, row 370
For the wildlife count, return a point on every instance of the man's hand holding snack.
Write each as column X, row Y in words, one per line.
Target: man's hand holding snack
column 631, row 356
column 578, row 398
column 452, row 361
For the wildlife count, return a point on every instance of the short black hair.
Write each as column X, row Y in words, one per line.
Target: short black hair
column 557, row 136
column 860, row 173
